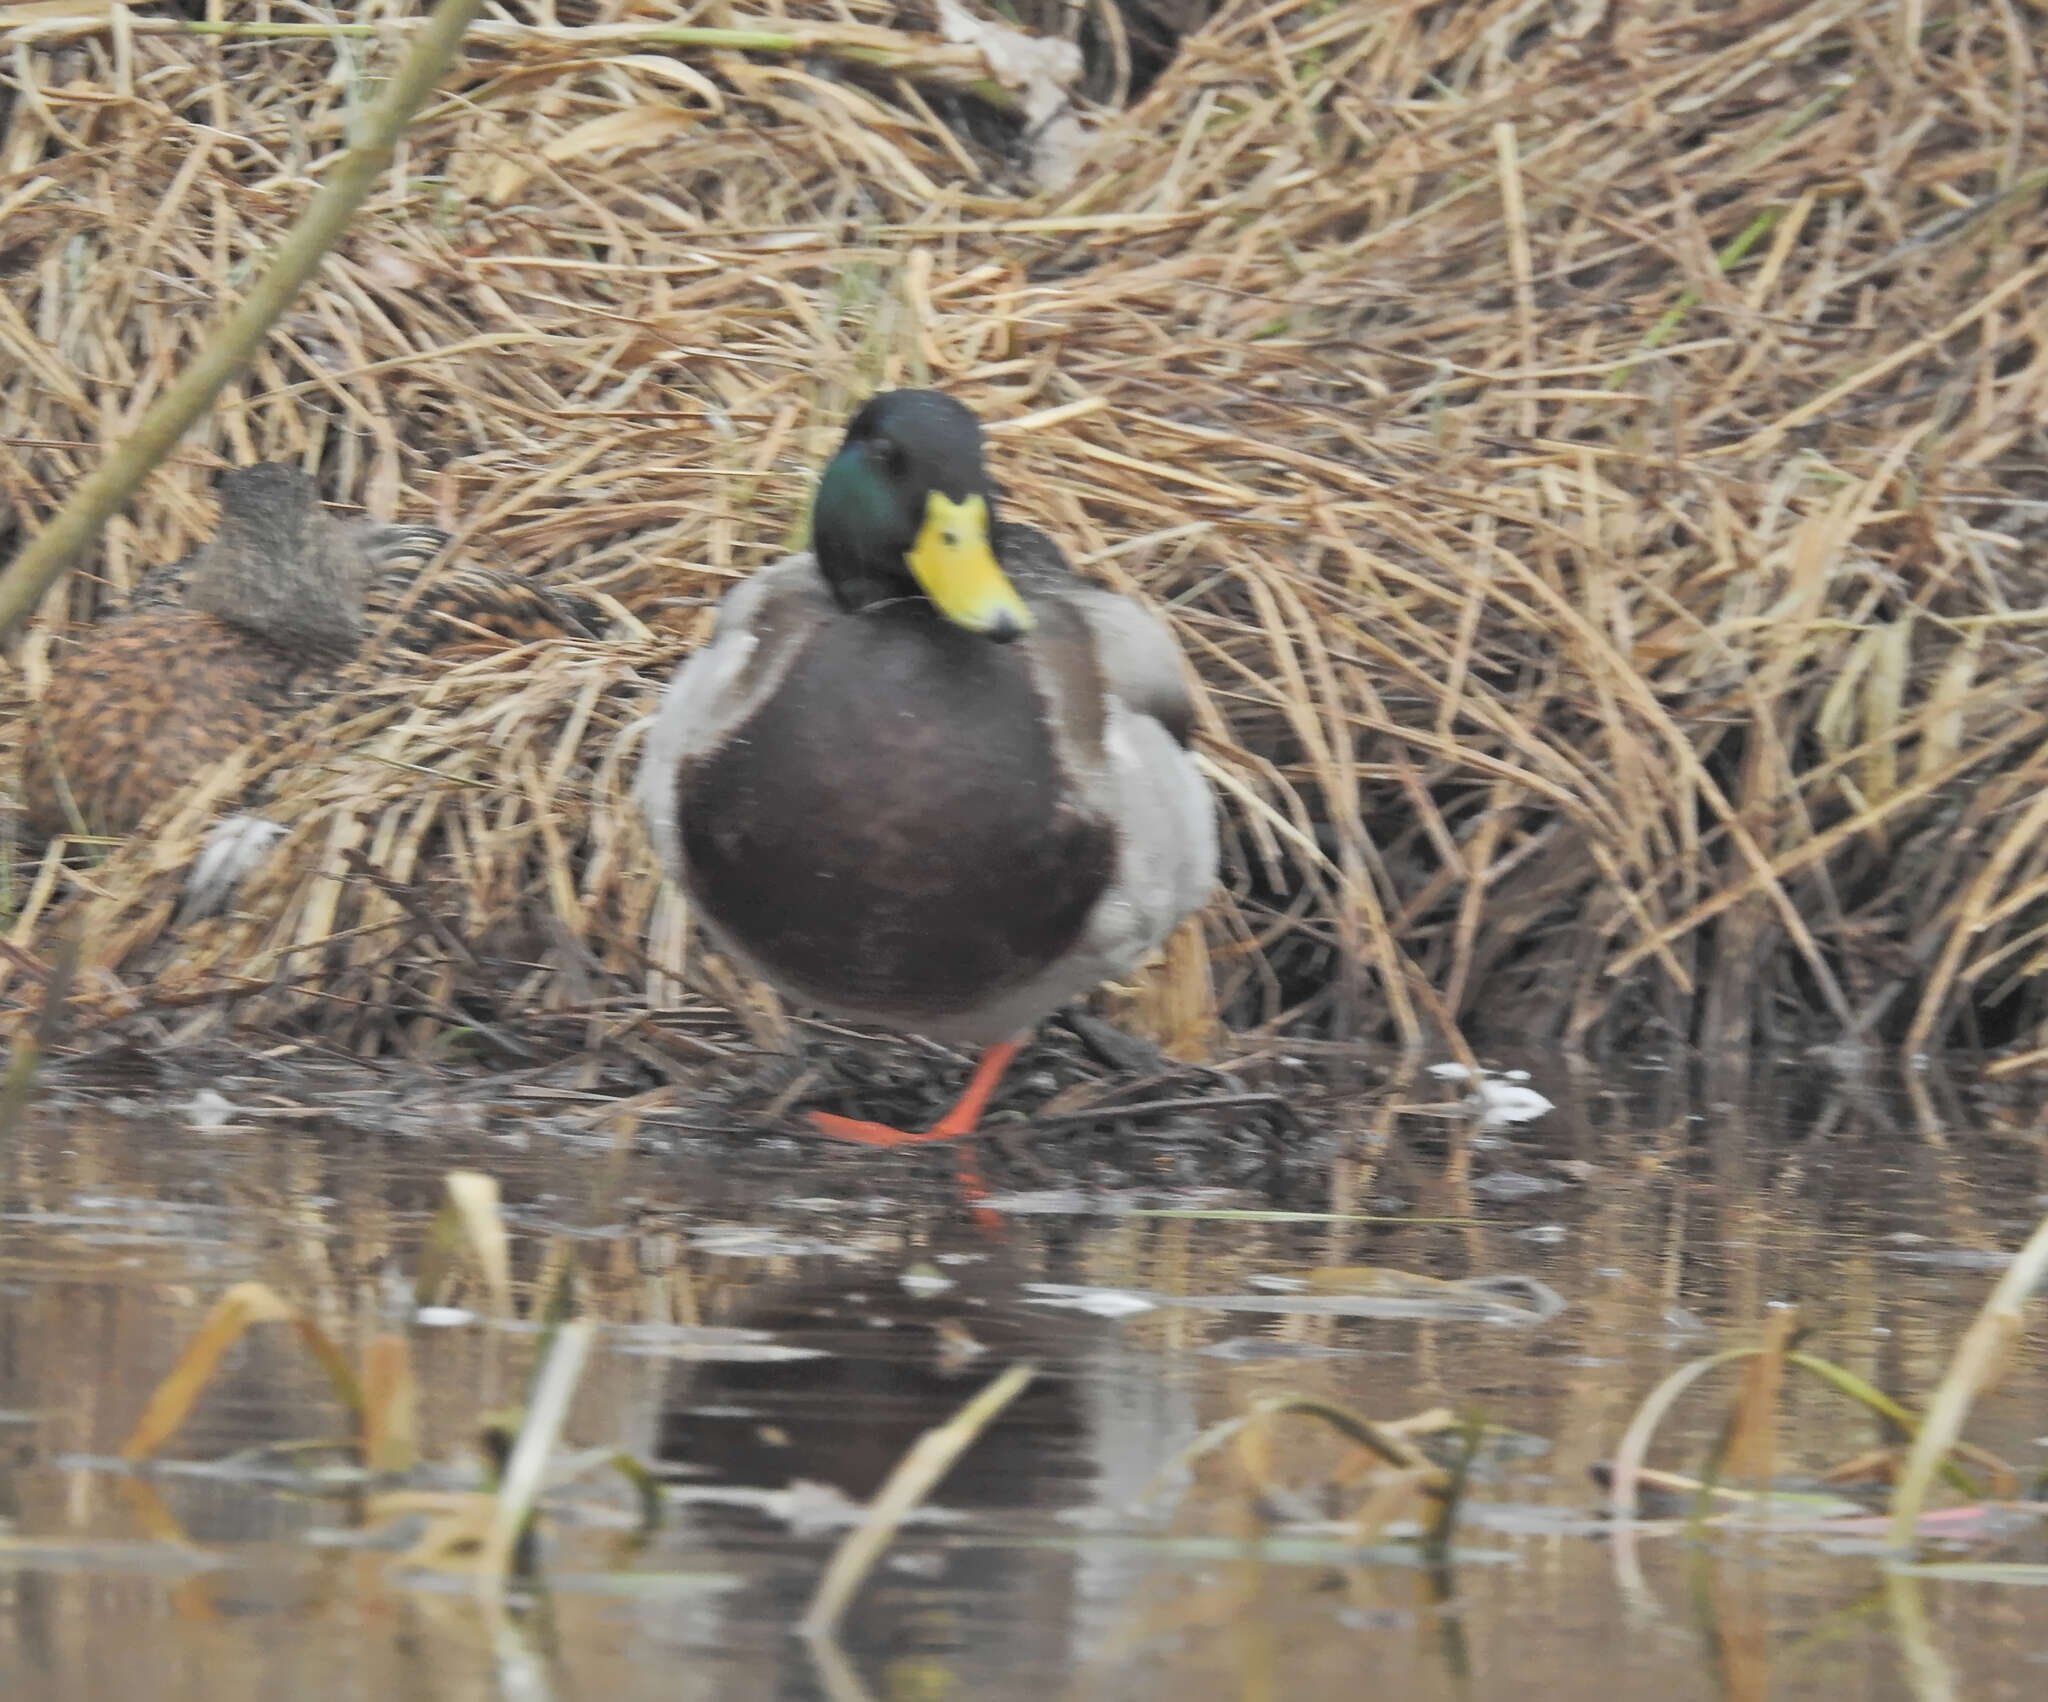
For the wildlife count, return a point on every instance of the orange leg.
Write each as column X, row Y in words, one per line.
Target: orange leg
column 961, row 1120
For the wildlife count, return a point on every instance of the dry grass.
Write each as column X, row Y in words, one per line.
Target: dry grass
column 1593, row 453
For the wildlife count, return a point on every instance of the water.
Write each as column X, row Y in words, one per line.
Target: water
column 760, row 1334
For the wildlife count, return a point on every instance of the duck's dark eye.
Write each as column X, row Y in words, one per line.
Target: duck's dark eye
column 890, row 457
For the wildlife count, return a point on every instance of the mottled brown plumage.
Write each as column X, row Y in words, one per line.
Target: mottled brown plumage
column 150, row 701
column 217, row 649
column 272, row 609
column 469, row 605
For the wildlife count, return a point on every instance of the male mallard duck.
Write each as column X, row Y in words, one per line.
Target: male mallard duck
column 923, row 776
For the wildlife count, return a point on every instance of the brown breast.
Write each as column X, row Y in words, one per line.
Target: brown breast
column 140, row 709
column 888, row 832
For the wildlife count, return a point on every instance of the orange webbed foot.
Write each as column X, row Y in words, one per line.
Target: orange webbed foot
column 963, row 1119
column 880, row 1134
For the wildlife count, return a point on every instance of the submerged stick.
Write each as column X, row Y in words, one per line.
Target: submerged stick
column 347, row 185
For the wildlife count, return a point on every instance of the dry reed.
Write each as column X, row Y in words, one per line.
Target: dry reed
column 1593, row 454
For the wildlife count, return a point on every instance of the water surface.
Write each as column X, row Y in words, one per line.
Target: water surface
column 782, row 1320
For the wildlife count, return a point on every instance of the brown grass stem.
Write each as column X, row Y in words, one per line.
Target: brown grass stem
column 1978, row 1360
column 25, row 1057
column 547, row 1410
column 1633, row 1449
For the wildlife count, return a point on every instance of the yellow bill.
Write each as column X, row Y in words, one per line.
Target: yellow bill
column 957, row 567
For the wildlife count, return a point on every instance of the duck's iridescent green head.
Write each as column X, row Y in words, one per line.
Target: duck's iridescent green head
column 905, row 510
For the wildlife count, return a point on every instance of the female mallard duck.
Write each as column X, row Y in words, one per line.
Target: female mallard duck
column 216, row 651
column 272, row 607
column 923, row 776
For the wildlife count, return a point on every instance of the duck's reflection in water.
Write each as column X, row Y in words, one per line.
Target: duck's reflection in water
column 995, row 1575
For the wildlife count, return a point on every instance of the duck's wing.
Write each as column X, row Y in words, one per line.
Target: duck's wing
column 381, row 543
column 762, row 623
column 1141, row 661
column 468, row 604
column 1123, row 717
